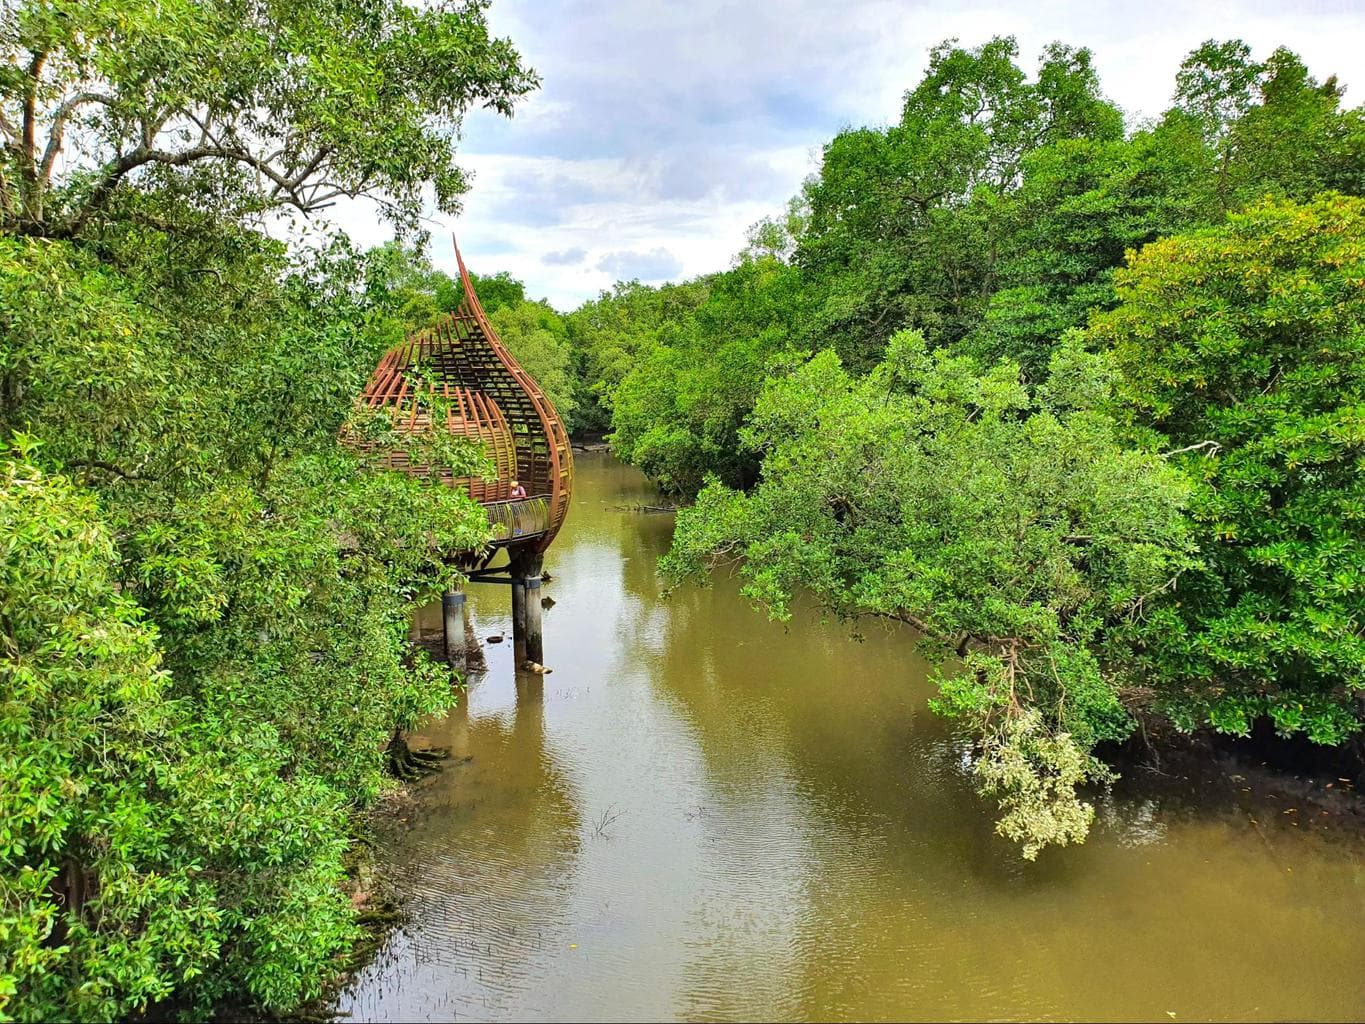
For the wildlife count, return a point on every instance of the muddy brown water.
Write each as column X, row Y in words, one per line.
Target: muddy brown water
column 703, row 815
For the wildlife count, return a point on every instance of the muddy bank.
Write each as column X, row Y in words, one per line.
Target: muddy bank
column 590, row 441
column 1271, row 780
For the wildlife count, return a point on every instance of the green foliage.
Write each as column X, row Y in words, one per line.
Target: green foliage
column 677, row 412
column 992, row 217
column 1016, row 531
column 399, row 277
column 611, row 333
column 1269, row 126
column 1244, row 347
column 1240, row 129
column 1085, row 297
column 246, row 584
column 495, row 291
column 204, row 597
column 142, row 852
column 907, row 224
column 1081, row 204
column 241, row 106
column 1034, row 774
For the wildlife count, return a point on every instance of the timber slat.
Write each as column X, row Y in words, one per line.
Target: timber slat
column 494, row 401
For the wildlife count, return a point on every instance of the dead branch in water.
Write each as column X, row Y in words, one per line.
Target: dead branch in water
column 607, row 818
column 647, row 508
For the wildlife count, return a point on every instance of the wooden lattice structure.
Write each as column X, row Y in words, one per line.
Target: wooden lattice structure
column 492, row 400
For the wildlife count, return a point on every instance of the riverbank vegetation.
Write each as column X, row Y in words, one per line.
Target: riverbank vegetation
column 1080, row 399
column 204, row 599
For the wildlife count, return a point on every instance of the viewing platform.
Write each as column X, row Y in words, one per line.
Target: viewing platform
column 488, row 398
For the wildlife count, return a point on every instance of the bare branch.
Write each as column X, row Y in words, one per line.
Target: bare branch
column 1213, row 448
column 57, row 132
column 285, row 185
column 322, row 154
column 110, row 467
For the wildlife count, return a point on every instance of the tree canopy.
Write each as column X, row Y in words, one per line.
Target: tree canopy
column 1243, row 347
column 242, row 106
column 1079, row 399
column 204, row 598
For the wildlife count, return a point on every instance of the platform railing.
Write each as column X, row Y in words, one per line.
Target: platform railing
column 518, row 518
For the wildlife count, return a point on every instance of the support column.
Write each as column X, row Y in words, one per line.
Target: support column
column 535, row 649
column 518, row 619
column 526, row 636
column 452, row 622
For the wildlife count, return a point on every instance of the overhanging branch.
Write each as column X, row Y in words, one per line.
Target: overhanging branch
column 286, row 185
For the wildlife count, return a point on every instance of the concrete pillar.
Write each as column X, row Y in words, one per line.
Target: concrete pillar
column 452, row 622
column 526, row 635
column 518, row 619
column 535, row 648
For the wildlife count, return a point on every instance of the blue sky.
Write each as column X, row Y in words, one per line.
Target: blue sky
column 663, row 130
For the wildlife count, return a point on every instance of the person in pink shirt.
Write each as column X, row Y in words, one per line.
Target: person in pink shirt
column 517, row 490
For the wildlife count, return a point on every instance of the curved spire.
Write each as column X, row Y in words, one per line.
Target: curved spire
column 545, row 456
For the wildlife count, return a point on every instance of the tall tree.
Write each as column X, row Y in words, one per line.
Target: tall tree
column 290, row 104
column 905, row 224
column 203, row 646
column 1243, row 345
column 1014, row 531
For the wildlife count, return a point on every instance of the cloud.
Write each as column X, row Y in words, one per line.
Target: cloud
column 655, row 265
column 725, row 173
column 565, row 257
column 539, row 193
column 668, row 128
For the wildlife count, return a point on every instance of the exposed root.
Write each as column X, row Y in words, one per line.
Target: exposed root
column 386, row 915
column 409, row 765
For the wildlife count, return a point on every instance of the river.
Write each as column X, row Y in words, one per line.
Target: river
column 704, row 815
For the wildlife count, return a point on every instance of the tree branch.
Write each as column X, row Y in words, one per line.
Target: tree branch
column 57, row 132
column 1213, row 449
column 115, row 171
column 28, row 144
column 35, row 72
column 109, row 467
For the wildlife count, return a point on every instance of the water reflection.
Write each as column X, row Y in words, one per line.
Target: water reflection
column 480, row 885
column 703, row 815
